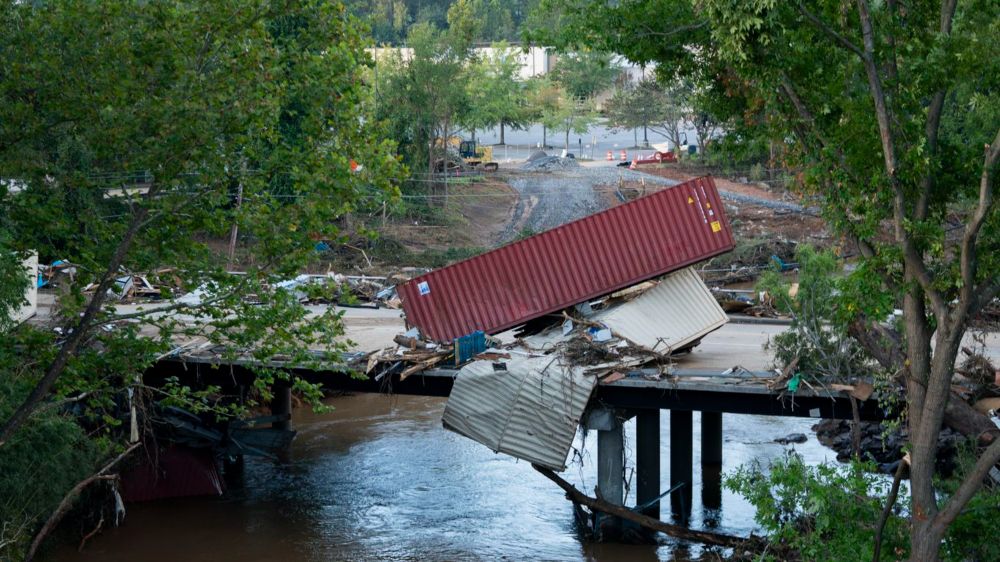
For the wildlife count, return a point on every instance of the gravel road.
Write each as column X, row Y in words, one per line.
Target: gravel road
column 549, row 199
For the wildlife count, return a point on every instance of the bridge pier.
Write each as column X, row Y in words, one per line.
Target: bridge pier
column 281, row 405
column 610, row 469
column 647, row 460
column 681, row 438
column 711, row 466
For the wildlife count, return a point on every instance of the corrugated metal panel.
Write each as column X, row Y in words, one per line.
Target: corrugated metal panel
column 675, row 313
column 530, row 411
column 580, row 260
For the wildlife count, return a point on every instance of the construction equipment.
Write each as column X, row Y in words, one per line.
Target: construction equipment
column 474, row 155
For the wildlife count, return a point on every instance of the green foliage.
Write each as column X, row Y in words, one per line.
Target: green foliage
column 648, row 104
column 392, row 20
column 42, row 462
column 495, row 95
column 965, row 539
column 585, row 73
column 423, row 100
column 13, row 281
column 130, row 128
column 820, row 313
column 823, row 512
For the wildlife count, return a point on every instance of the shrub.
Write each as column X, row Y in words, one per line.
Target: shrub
column 824, row 512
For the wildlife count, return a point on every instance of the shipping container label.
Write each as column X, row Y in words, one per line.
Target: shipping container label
column 424, row 288
column 716, row 226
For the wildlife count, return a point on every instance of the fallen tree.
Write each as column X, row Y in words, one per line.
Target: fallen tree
column 645, row 521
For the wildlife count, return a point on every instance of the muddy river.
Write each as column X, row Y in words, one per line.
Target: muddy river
column 380, row 479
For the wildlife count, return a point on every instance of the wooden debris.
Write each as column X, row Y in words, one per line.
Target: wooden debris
column 615, row 376
column 861, row 390
column 423, row 365
column 492, row 356
column 412, row 343
column 646, row 521
column 785, row 376
column 985, row 405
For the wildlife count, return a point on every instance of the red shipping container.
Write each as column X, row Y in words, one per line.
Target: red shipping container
column 578, row 261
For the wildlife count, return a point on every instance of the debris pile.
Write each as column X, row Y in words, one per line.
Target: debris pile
column 546, row 163
column 559, row 363
column 584, row 297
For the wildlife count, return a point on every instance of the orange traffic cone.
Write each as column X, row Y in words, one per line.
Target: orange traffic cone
column 610, row 156
column 624, row 156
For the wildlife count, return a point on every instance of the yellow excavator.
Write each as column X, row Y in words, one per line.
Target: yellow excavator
column 475, row 156
column 464, row 155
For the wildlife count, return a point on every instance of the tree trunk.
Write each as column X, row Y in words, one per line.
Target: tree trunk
column 645, row 136
column 545, row 141
column 502, row 141
column 82, row 328
column 925, row 540
column 567, row 137
column 598, row 504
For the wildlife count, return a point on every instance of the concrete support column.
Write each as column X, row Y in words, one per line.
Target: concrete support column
column 711, row 465
column 281, row 404
column 647, row 457
column 611, row 465
column 610, row 469
column 681, row 460
column 711, row 438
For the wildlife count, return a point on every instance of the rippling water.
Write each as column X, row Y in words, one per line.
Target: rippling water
column 379, row 479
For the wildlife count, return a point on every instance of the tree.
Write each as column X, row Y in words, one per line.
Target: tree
column 425, row 98
column 496, row 97
column 584, row 74
column 651, row 106
column 866, row 90
column 573, row 116
column 892, row 108
column 544, row 98
column 129, row 127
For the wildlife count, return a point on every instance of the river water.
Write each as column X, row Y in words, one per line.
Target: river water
column 378, row 478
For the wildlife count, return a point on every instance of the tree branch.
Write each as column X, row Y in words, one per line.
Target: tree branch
column 644, row 520
column 970, row 485
column 968, row 262
column 85, row 324
column 67, row 501
column 838, row 38
column 934, row 120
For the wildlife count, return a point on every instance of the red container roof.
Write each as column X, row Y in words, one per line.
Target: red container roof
column 578, row 261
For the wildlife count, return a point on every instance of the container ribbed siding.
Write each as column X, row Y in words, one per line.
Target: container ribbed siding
column 581, row 260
